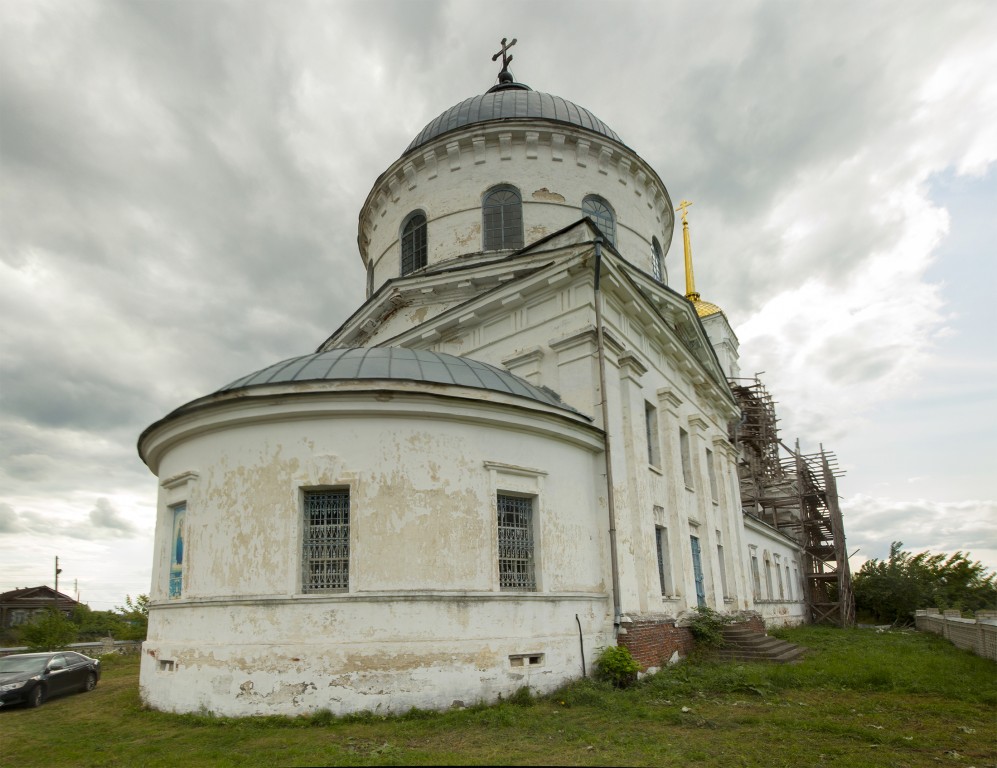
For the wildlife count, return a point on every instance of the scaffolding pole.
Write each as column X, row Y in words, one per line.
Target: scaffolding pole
column 796, row 494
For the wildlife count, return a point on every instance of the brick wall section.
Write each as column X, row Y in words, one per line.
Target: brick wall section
column 754, row 623
column 652, row 641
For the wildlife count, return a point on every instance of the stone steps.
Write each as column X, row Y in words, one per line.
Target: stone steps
column 746, row 645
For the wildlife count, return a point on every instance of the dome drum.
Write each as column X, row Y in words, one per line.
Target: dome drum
column 553, row 170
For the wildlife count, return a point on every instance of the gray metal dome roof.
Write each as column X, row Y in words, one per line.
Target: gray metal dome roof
column 511, row 103
column 395, row 363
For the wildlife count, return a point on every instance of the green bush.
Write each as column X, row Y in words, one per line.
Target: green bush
column 49, row 632
column 615, row 665
column 707, row 627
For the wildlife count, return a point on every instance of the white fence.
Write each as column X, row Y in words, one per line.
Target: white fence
column 978, row 635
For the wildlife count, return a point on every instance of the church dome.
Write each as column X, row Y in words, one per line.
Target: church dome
column 705, row 308
column 397, row 364
column 511, row 102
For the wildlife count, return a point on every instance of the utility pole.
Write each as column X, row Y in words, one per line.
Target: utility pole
column 58, row 570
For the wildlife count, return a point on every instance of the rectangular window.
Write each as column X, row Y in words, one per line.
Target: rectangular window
column 697, row 571
column 723, row 566
column 686, row 458
column 653, row 443
column 778, row 578
column 713, row 474
column 176, row 549
column 664, row 568
column 515, row 544
column 325, row 542
column 789, row 585
column 769, row 594
column 756, row 579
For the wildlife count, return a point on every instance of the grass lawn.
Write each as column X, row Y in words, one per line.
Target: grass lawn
column 859, row 699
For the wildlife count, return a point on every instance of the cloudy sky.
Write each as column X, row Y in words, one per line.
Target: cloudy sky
column 180, row 183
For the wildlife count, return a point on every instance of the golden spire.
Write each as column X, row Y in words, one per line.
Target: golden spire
column 690, row 280
column 703, row 308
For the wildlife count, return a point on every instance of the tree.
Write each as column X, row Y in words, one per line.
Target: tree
column 892, row 589
column 135, row 617
column 94, row 625
column 50, row 631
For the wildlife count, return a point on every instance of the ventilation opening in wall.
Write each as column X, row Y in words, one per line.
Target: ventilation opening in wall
column 167, row 665
column 526, row 659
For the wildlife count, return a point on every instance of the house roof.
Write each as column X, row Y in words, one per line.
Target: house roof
column 33, row 593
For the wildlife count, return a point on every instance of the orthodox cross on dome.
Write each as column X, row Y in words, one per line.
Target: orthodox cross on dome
column 505, row 75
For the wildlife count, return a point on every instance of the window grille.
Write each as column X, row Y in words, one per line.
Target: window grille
column 502, row 213
column 515, row 543
column 599, row 211
column 325, row 560
column 657, row 261
column 414, row 246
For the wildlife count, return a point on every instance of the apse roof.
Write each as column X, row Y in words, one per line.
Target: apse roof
column 514, row 101
column 395, row 363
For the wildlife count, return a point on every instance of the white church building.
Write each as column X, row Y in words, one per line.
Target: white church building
column 516, row 451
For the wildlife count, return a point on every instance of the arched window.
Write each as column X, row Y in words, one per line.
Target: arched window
column 599, row 211
column 658, row 262
column 502, row 218
column 414, row 243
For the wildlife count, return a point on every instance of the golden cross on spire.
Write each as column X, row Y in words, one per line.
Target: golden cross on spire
column 684, row 207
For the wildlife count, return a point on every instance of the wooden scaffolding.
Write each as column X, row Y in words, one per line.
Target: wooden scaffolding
column 796, row 494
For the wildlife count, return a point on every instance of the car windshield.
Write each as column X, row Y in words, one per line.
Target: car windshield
column 32, row 664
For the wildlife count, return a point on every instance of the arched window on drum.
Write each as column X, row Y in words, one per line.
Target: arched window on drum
column 599, row 211
column 502, row 218
column 414, row 246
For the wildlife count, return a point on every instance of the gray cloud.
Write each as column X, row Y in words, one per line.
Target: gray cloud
column 10, row 522
column 107, row 518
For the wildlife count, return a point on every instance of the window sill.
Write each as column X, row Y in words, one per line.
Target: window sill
column 656, row 470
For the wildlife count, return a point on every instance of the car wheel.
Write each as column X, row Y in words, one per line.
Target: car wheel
column 91, row 682
column 36, row 697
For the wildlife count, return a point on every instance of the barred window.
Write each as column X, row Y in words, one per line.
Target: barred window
column 414, row 247
column 599, row 211
column 657, row 261
column 502, row 214
column 325, row 547
column 515, row 543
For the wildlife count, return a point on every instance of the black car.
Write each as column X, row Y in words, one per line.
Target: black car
column 34, row 677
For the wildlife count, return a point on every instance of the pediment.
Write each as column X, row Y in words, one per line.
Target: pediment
column 408, row 302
